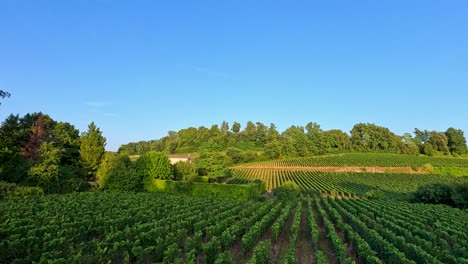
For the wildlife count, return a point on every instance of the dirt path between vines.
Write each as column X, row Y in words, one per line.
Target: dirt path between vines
column 304, row 253
column 323, row 242
column 334, row 169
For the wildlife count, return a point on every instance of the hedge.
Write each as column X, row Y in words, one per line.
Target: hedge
column 235, row 191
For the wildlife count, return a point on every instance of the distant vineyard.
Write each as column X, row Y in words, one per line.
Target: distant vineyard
column 366, row 160
column 149, row 228
column 346, row 183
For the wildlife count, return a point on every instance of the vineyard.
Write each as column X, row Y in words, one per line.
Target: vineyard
column 149, row 228
column 365, row 160
column 345, row 184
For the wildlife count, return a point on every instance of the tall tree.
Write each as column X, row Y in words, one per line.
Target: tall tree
column 456, row 141
column 154, row 165
column 46, row 167
column 92, row 150
column 225, row 127
column 4, row 94
column 37, row 136
column 370, row 137
column 439, row 142
column 236, row 127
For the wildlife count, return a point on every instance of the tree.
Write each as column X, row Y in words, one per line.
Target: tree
column 212, row 163
column 317, row 144
column 116, row 172
column 4, row 94
column 370, row 137
column 185, row 171
column 439, row 142
column 299, row 140
column 37, row 136
column 433, row 193
column 336, row 141
column 236, row 127
column 225, row 127
column 456, row 141
column 92, row 150
column 67, row 137
column 154, row 165
column 420, row 137
column 107, row 164
column 46, row 167
column 273, row 149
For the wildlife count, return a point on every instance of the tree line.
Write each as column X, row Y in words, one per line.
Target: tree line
column 36, row 150
column 258, row 141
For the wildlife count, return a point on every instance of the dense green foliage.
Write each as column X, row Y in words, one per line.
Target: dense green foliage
column 10, row 190
column 232, row 191
column 344, row 183
column 104, row 227
column 185, row 171
column 92, row 150
column 260, row 142
column 117, row 172
column 37, row 151
column 367, row 160
column 288, row 190
column 442, row 193
column 154, row 165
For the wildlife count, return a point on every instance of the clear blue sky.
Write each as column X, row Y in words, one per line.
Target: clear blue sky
column 141, row 68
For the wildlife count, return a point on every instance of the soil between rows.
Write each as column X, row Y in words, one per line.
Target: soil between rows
column 335, row 169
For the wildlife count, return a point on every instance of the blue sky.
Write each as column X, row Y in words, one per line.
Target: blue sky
column 141, row 68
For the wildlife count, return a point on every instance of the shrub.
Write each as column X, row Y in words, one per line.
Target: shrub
column 289, row 190
column 125, row 179
column 427, row 167
column 154, row 165
column 184, row 171
column 374, row 194
column 117, row 172
column 433, row 193
column 204, row 179
column 460, row 195
column 8, row 190
column 232, row 191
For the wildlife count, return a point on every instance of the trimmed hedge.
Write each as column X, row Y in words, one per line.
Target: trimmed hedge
column 235, row 191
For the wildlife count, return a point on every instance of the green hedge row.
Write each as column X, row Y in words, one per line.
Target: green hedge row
column 233, row 191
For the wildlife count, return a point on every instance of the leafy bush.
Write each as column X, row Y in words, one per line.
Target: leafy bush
column 288, row 191
column 154, row 165
column 224, row 258
column 427, row 167
column 204, row 179
column 374, row 194
column 184, row 171
column 117, row 172
column 460, row 195
column 8, row 190
column 433, row 193
column 234, row 191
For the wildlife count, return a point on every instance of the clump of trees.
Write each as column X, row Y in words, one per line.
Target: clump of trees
column 288, row 191
column 36, row 150
column 221, row 145
column 441, row 193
